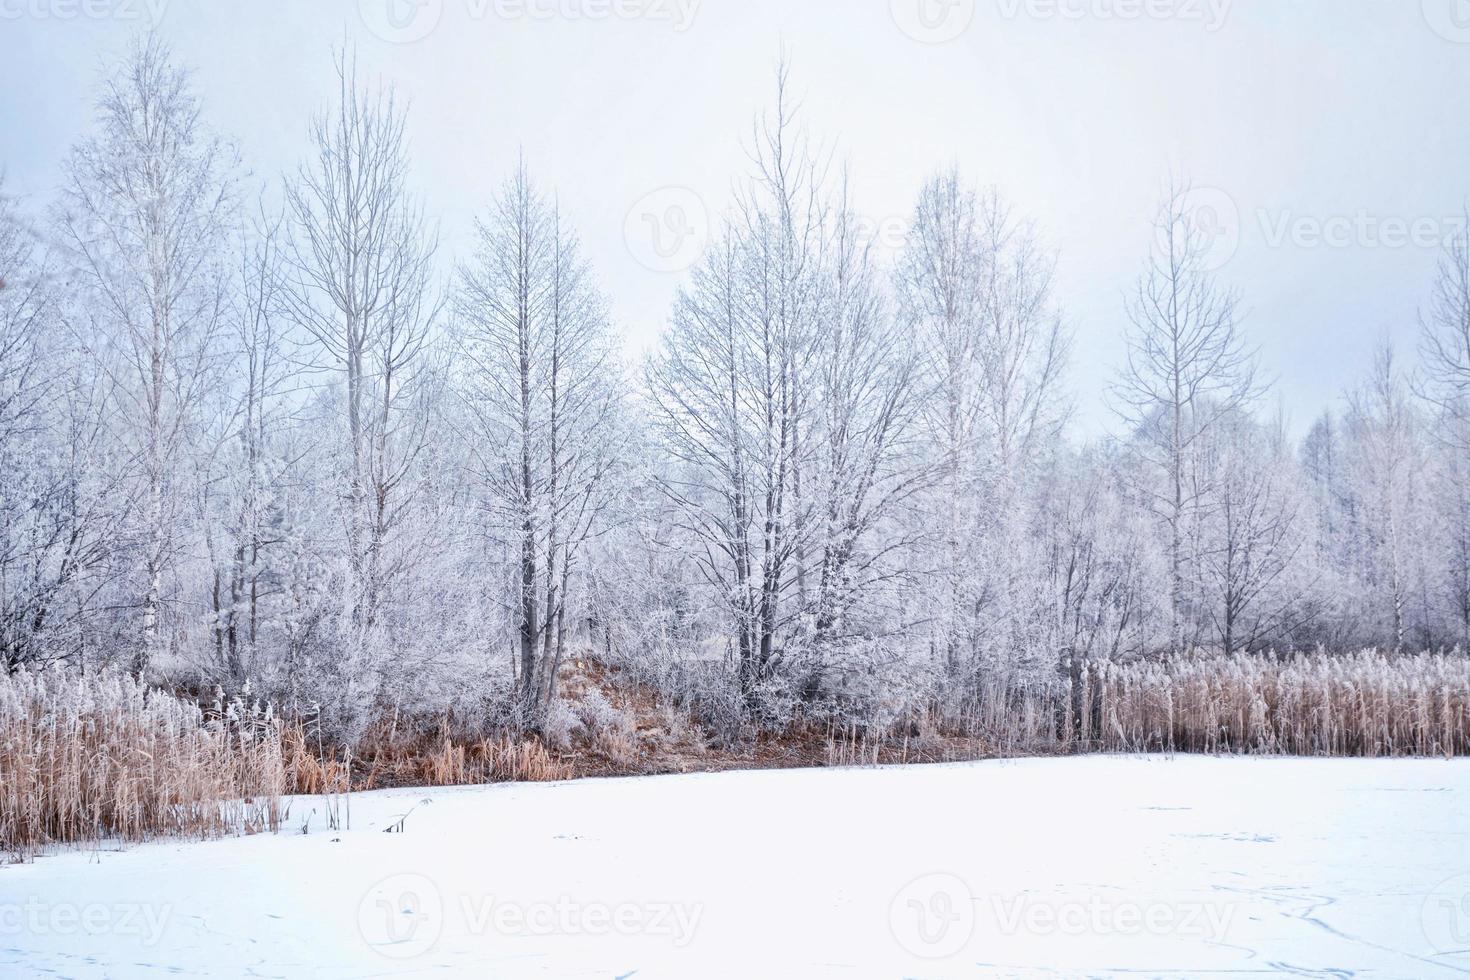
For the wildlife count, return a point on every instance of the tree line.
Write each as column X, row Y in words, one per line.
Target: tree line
column 300, row 446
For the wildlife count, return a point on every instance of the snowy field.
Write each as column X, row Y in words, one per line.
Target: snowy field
column 1097, row 866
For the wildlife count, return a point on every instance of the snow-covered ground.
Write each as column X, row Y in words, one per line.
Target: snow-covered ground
column 1094, row 866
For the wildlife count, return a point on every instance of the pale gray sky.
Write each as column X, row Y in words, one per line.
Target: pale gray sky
column 1331, row 135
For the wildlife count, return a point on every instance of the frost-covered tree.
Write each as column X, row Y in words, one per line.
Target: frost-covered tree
column 1188, row 367
column 1251, row 538
column 1445, row 350
column 361, row 286
column 975, row 288
column 1445, row 332
column 866, row 464
column 244, row 478
column 732, row 391
column 32, row 527
column 539, row 382
column 1096, row 565
column 145, row 219
column 1385, row 446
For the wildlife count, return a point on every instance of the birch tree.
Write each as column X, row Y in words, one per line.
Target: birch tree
column 145, row 216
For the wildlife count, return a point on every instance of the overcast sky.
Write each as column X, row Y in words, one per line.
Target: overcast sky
column 1330, row 138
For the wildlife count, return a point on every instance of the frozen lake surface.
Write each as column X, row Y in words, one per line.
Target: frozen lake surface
column 1091, row 866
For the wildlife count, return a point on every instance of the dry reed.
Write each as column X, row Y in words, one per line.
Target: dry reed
column 88, row 758
column 1363, row 704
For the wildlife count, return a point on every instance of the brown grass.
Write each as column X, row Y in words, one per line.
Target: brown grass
column 102, row 757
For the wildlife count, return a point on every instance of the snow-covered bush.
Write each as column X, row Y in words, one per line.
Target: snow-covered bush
column 600, row 716
column 560, row 724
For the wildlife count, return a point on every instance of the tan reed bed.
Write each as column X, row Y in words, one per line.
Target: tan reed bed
column 1361, row 704
column 1369, row 703
column 90, row 758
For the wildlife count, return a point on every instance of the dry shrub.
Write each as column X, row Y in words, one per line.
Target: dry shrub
column 560, row 724
column 618, row 745
column 86, row 758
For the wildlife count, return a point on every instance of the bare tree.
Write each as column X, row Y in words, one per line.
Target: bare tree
column 538, row 380
column 1384, row 435
column 242, row 474
column 146, row 217
column 361, row 287
column 1445, row 333
column 1251, row 538
column 866, row 465
column 733, row 392
column 1445, row 352
column 976, row 289
column 1187, row 368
